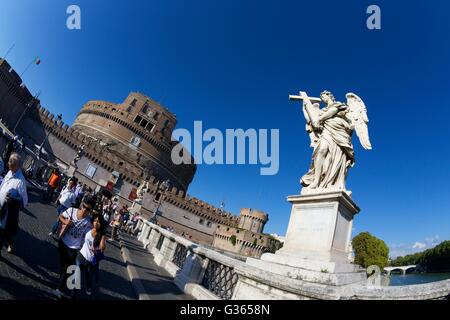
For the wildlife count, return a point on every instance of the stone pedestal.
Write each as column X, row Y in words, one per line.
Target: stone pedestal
column 317, row 242
column 135, row 207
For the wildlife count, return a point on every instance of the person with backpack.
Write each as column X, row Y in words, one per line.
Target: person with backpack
column 76, row 223
column 66, row 200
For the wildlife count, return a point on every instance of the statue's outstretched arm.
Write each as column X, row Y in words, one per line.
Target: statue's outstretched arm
column 330, row 113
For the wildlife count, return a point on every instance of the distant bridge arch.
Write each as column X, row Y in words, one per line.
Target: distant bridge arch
column 403, row 269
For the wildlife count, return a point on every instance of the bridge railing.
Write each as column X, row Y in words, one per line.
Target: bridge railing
column 199, row 271
column 207, row 274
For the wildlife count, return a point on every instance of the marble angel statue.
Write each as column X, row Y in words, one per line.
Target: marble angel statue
column 330, row 129
column 141, row 191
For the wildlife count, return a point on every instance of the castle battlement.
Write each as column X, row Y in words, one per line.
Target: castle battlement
column 93, row 151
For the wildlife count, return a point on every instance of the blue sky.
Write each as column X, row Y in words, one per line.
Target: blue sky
column 232, row 64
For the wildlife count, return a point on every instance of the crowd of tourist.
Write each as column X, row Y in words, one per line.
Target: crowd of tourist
column 82, row 217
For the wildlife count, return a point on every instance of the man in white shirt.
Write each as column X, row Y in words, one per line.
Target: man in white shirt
column 66, row 199
column 13, row 197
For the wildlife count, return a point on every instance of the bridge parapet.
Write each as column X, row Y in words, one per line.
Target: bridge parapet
column 207, row 274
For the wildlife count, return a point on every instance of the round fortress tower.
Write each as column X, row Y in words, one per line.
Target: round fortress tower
column 138, row 131
column 253, row 220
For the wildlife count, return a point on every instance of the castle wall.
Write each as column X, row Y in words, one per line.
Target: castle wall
column 185, row 214
column 14, row 96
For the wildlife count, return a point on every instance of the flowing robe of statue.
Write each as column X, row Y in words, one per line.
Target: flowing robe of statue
column 336, row 137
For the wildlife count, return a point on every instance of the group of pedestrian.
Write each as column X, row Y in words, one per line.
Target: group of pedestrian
column 82, row 242
column 125, row 220
column 80, row 228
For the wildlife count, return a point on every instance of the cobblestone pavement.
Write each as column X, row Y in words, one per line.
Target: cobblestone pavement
column 31, row 272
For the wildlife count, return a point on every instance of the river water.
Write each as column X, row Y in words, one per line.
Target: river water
column 417, row 278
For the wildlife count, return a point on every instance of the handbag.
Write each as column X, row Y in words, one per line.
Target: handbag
column 98, row 256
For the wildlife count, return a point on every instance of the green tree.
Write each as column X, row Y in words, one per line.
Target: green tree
column 370, row 250
column 436, row 259
column 233, row 240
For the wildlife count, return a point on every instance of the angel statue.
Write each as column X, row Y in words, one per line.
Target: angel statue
column 330, row 130
column 141, row 191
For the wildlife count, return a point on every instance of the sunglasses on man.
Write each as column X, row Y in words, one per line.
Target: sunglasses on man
column 87, row 208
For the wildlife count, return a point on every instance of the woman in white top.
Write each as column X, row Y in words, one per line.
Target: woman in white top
column 93, row 249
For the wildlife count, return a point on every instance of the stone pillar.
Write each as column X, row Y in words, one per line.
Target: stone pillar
column 152, row 241
column 317, row 241
column 192, row 272
column 144, row 232
column 320, row 227
column 166, row 252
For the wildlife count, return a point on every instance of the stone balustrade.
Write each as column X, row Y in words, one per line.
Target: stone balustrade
column 207, row 274
column 199, row 271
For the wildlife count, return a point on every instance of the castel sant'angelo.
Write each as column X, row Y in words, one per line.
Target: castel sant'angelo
column 126, row 144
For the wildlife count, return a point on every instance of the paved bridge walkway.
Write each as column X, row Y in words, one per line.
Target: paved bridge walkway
column 31, row 272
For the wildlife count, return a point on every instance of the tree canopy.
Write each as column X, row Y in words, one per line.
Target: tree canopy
column 436, row 259
column 370, row 250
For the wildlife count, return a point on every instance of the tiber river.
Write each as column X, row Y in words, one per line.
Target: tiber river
column 417, row 278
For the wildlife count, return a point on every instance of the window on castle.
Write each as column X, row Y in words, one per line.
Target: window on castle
column 201, row 221
column 133, row 103
column 208, row 224
column 149, row 126
column 144, row 123
column 90, row 170
column 138, row 119
column 157, row 197
column 135, row 141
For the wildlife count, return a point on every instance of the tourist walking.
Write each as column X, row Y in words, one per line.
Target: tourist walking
column 52, row 184
column 13, row 197
column 66, row 200
column 80, row 192
column 93, row 249
column 126, row 217
column 116, row 223
column 76, row 224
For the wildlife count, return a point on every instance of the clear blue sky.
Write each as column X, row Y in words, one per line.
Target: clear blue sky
column 232, row 64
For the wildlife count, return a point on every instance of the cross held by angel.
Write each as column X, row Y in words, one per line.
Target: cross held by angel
column 330, row 129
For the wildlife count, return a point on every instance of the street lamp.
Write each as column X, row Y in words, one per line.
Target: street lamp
column 59, row 118
column 164, row 187
column 30, row 104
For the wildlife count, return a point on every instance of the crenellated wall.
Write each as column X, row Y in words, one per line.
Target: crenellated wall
column 14, row 95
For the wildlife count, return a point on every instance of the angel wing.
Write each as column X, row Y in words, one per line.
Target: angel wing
column 358, row 116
